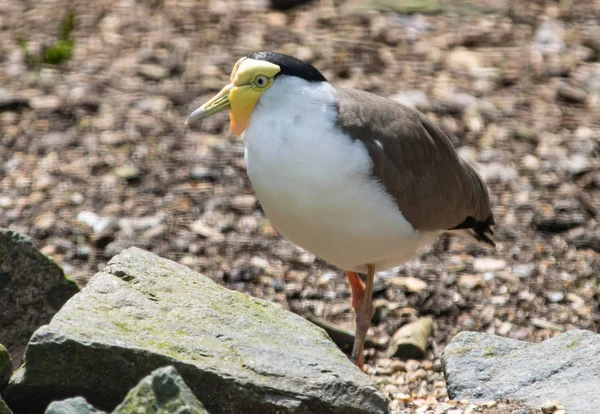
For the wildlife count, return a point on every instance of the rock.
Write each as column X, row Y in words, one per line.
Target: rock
column 13, row 103
column 343, row 338
column 128, row 172
column 163, row 391
column 587, row 241
column 411, row 284
column 558, row 223
column 6, row 367
column 204, row 230
column 410, row 341
column 236, row 353
column 32, row 289
column 98, row 223
column 549, row 37
column 571, row 94
column 152, row 72
column 77, row 405
column 155, row 105
column 45, row 103
column 488, row 264
column 243, row 203
column 4, row 408
column 481, row 367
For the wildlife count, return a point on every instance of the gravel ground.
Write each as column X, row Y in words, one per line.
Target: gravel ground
column 95, row 156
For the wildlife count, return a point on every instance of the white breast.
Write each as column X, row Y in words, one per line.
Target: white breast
column 315, row 183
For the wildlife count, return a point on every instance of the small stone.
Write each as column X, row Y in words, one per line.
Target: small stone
column 412, row 365
column 550, row 406
column 463, row 60
column 259, row 262
column 243, row 203
column 77, row 405
column 204, row 230
column 571, row 94
column 45, row 221
column 470, row 281
column 98, row 223
column 128, row 173
column 555, row 296
column 152, row 72
column 163, row 389
column 544, row 324
column 549, row 36
column 411, row 284
column 202, row 173
column 397, row 365
column 578, row 164
column 488, row 264
column 276, row 19
column 154, row 105
column 45, row 103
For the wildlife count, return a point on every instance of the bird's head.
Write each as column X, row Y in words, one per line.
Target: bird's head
column 251, row 76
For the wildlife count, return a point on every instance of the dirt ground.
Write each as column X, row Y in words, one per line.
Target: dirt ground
column 95, row 156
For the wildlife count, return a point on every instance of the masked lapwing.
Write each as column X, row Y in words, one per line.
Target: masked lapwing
column 359, row 180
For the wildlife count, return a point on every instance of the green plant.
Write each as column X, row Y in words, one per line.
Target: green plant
column 63, row 49
column 58, row 52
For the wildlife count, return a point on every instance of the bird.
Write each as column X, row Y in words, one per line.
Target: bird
column 359, row 180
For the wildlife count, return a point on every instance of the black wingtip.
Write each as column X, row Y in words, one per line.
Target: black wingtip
column 478, row 229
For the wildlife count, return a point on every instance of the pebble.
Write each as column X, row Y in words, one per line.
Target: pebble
column 488, row 264
column 152, row 72
column 548, row 38
column 243, row 203
column 555, row 296
column 45, row 103
column 45, row 221
column 523, row 270
column 98, row 223
column 204, row 230
column 470, row 281
column 128, row 172
column 411, row 284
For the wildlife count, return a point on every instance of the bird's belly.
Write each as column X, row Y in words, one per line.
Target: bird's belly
column 325, row 200
column 345, row 240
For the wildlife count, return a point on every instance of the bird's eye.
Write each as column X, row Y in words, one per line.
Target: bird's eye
column 261, row 81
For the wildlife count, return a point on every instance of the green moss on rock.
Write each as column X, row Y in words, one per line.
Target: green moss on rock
column 6, row 367
column 161, row 392
column 236, row 353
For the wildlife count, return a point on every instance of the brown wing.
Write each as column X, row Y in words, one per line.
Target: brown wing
column 434, row 188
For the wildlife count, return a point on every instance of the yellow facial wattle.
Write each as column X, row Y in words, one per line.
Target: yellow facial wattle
column 249, row 79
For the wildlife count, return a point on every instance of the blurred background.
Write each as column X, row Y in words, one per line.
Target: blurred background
column 94, row 155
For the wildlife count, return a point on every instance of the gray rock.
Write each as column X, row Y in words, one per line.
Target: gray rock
column 236, row 353
column 566, row 368
column 162, row 392
column 6, row 368
column 32, row 289
column 77, row 405
column 4, row 408
column 549, row 37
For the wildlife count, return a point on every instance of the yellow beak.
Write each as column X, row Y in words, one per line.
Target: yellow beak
column 218, row 103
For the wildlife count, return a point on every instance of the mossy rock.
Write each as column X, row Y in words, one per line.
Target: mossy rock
column 77, row 405
column 236, row 353
column 32, row 289
column 6, row 368
column 161, row 392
